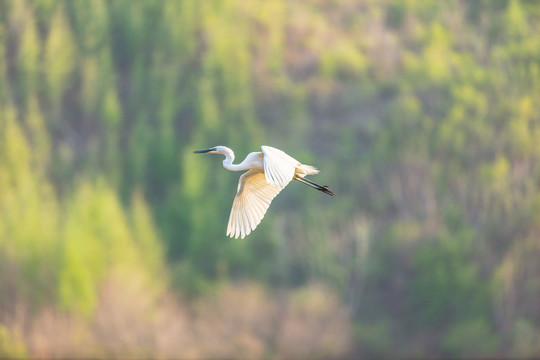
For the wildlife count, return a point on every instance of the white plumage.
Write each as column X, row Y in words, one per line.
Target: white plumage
column 269, row 172
column 279, row 168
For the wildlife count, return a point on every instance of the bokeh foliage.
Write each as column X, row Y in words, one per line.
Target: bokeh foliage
column 422, row 115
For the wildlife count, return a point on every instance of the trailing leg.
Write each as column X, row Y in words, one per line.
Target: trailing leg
column 324, row 188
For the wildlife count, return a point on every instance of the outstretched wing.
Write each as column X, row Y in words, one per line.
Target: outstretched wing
column 279, row 167
column 251, row 202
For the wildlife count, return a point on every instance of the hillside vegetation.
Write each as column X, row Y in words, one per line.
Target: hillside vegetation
column 423, row 117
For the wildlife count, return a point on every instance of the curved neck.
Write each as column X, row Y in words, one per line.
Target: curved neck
column 227, row 163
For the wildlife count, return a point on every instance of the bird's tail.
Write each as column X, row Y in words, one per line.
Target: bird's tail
column 307, row 169
column 324, row 188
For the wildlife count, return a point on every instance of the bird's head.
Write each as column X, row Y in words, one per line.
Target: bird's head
column 214, row 150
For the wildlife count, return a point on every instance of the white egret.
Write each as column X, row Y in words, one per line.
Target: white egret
column 269, row 172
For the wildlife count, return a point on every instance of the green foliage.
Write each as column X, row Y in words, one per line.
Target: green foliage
column 29, row 222
column 11, row 347
column 376, row 337
column 422, row 115
column 447, row 285
column 98, row 240
column 59, row 57
column 473, row 337
column 28, row 56
column 525, row 338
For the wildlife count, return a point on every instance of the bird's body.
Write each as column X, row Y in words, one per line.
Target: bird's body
column 269, row 172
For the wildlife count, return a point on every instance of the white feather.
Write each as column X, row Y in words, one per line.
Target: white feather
column 251, row 202
column 279, row 167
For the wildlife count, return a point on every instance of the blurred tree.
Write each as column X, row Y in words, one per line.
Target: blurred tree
column 422, row 116
column 98, row 240
column 59, row 60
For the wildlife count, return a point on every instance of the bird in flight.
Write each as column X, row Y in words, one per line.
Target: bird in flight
column 269, row 172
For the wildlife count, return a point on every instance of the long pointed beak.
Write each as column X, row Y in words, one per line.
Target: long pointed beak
column 204, row 150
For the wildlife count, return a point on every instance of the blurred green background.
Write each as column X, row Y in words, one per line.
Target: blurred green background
column 423, row 116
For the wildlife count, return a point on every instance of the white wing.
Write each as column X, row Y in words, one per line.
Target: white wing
column 279, row 167
column 250, row 204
